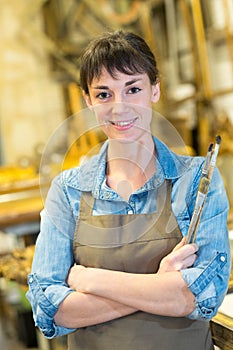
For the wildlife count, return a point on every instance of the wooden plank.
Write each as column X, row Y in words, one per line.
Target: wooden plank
column 222, row 331
column 19, row 211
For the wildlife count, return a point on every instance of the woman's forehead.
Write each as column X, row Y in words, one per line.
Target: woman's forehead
column 116, row 76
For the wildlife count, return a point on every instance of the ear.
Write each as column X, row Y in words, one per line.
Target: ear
column 155, row 92
column 87, row 99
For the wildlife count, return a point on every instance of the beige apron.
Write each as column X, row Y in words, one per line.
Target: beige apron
column 136, row 244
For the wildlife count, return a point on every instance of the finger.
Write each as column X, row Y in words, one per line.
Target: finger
column 71, row 275
column 182, row 263
column 180, row 244
column 185, row 251
column 194, row 246
column 189, row 261
column 181, row 258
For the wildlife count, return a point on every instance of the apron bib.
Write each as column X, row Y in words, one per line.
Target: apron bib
column 136, row 244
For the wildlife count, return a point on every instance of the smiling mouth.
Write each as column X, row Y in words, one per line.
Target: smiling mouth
column 123, row 123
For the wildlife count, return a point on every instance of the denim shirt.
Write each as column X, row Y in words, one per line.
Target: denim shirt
column 207, row 279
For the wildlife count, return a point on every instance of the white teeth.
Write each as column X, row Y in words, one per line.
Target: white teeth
column 123, row 123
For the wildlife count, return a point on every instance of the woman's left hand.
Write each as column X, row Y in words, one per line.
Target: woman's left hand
column 181, row 257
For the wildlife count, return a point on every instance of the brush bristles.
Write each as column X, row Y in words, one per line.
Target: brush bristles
column 218, row 139
column 210, row 147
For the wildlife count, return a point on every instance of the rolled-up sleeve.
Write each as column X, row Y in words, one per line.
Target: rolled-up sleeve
column 208, row 278
column 45, row 305
column 208, row 286
column 51, row 262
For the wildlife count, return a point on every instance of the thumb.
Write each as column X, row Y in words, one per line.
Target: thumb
column 180, row 244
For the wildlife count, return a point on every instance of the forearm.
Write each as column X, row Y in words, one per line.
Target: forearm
column 81, row 310
column 163, row 294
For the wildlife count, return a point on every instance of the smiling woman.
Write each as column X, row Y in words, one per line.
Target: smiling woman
column 123, row 104
column 111, row 267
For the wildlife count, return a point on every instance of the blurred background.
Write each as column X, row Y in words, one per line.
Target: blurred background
column 40, row 45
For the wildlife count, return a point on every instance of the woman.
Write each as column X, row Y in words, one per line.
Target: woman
column 122, row 217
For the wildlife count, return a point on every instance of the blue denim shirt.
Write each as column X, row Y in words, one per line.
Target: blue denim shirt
column 207, row 279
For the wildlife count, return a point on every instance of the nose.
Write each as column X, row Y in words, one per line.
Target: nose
column 119, row 105
column 118, row 97
column 118, row 108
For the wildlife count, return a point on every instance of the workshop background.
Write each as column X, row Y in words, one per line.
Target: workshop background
column 40, row 45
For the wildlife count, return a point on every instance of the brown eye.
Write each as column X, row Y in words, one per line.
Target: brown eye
column 134, row 90
column 103, row 95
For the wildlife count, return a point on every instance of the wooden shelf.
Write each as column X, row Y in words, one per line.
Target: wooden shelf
column 222, row 331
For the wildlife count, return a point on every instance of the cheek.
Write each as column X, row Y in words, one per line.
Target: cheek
column 144, row 100
column 101, row 113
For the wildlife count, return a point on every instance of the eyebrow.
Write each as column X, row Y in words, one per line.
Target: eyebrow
column 130, row 82
column 105, row 87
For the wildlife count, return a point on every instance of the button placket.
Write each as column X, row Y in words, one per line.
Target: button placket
column 131, row 208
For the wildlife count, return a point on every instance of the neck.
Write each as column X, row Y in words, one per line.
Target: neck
column 136, row 154
column 130, row 165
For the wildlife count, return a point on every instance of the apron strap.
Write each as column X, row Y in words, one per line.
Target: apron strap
column 164, row 196
column 86, row 205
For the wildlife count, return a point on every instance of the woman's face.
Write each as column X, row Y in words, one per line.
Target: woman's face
column 123, row 104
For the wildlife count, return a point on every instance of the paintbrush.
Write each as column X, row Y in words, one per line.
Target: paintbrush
column 214, row 157
column 203, row 188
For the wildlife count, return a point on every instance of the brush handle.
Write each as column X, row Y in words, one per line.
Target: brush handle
column 199, row 205
column 203, row 188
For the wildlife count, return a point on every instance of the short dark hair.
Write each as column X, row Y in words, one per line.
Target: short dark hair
column 120, row 51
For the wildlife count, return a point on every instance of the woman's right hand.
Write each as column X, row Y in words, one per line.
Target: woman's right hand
column 181, row 257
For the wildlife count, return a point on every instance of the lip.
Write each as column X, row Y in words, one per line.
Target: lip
column 123, row 124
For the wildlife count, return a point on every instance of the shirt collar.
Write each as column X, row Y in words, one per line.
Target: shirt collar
column 91, row 174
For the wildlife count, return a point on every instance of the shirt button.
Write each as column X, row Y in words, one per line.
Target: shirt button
column 130, row 211
column 30, row 280
column 222, row 258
